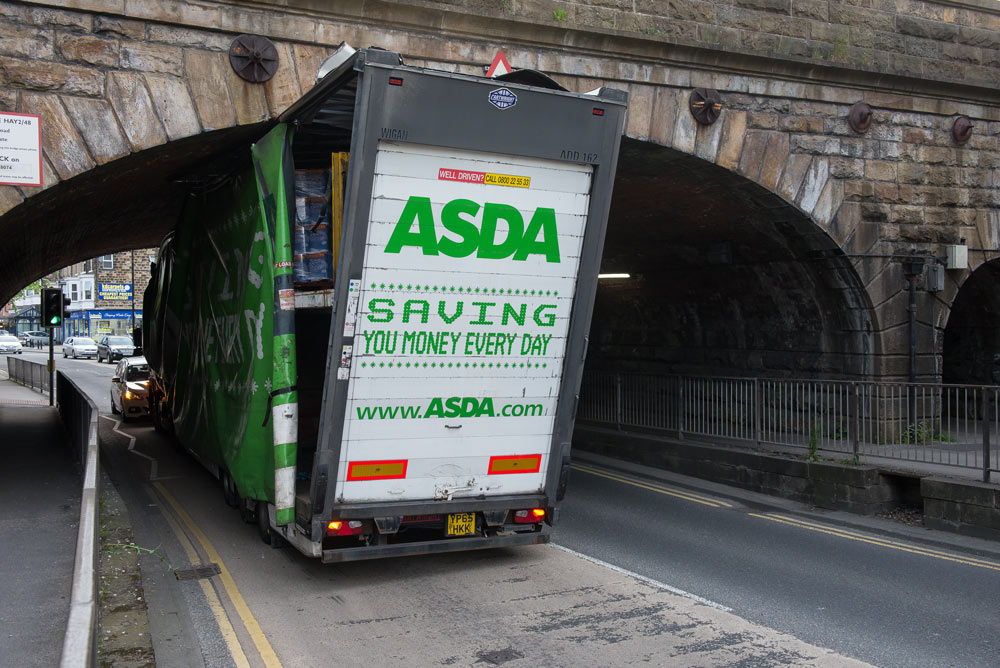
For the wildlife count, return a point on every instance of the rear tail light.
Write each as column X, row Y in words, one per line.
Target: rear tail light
column 344, row 528
column 529, row 516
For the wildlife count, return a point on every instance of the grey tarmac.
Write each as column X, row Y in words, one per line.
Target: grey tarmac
column 533, row 606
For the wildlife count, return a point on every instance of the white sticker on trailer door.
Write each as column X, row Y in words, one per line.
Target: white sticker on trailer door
column 469, row 275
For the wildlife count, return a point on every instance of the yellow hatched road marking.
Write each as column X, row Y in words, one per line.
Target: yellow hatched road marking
column 214, row 604
column 687, row 496
column 242, row 609
column 881, row 542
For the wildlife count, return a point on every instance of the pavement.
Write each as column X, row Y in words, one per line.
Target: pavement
column 40, row 488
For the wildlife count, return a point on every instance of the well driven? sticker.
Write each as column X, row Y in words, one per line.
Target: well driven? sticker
column 485, row 178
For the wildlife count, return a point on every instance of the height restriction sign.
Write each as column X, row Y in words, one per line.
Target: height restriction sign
column 20, row 149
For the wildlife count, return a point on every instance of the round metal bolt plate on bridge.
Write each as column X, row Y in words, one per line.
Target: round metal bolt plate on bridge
column 860, row 117
column 705, row 105
column 253, row 58
column 961, row 129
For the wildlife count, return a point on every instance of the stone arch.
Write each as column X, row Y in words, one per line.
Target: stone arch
column 970, row 350
column 661, row 115
column 727, row 278
column 112, row 137
column 93, row 116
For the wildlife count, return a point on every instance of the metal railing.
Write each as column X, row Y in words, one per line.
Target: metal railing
column 79, row 414
column 29, row 374
column 931, row 423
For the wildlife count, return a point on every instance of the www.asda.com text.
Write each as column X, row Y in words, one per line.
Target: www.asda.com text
column 450, row 407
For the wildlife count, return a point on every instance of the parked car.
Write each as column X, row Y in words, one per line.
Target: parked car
column 130, row 388
column 9, row 345
column 113, row 348
column 38, row 338
column 79, row 346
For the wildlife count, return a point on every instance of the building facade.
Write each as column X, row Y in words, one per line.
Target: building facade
column 105, row 296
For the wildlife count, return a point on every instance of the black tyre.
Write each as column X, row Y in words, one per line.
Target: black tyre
column 264, row 523
column 154, row 413
column 229, row 490
column 114, row 411
column 247, row 512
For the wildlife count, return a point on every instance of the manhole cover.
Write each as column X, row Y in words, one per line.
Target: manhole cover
column 198, row 572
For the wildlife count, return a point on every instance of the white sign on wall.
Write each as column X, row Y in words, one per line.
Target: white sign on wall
column 20, row 149
column 466, row 293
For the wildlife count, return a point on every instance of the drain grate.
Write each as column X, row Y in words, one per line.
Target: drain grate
column 198, row 572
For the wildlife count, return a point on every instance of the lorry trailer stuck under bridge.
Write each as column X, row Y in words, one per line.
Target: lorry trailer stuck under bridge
column 371, row 324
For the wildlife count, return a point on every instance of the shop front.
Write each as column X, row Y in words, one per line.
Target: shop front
column 97, row 323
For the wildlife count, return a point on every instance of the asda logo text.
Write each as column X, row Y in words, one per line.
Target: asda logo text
column 472, row 230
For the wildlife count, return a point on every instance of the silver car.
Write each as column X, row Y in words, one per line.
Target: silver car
column 79, row 346
column 130, row 388
column 10, row 345
column 38, row 338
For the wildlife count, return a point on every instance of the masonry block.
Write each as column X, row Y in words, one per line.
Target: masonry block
column 62, row 145
column 206, row 75
column 174, row 106
column 99, row 127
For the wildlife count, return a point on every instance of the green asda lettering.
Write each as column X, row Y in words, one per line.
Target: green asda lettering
column 460, row 407
column 459, row 218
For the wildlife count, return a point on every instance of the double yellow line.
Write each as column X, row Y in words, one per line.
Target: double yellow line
column 874, row 540
column 659, row 489
column 253, row 629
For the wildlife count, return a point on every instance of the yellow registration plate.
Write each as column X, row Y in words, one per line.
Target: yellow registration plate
column 461, row 524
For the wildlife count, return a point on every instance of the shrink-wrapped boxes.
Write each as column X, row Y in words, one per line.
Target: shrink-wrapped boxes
column 312, row 258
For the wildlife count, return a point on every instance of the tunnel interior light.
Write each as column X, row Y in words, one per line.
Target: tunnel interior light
column 614, row 276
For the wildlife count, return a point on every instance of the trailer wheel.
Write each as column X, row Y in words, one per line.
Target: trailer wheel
column 247, row 512
column 229, row 490
column 154, row 412
column 264, row 523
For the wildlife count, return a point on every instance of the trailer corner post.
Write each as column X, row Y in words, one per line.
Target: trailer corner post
column 285, row 406
column 285, row 419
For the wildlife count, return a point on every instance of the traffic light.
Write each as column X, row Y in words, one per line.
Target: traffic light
column 52, row 307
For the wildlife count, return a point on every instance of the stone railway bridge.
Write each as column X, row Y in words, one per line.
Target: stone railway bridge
column 776, row 240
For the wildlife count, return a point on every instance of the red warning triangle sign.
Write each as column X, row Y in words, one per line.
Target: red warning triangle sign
column 500, row 66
